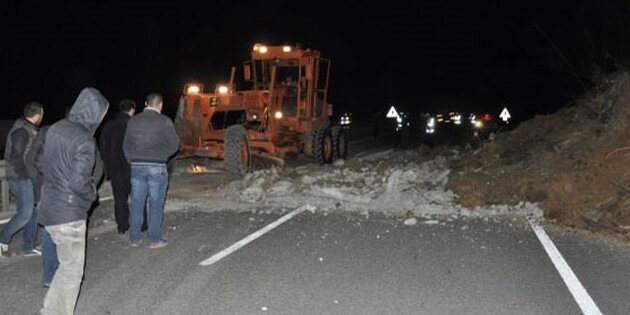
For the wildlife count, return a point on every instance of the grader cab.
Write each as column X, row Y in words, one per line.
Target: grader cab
column 282, row 112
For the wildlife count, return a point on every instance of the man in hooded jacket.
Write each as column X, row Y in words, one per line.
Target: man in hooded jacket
column 70, row 159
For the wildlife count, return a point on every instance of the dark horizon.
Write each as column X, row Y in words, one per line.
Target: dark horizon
column 418, row 55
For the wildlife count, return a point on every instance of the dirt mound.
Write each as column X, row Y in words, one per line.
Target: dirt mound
column 573, row 163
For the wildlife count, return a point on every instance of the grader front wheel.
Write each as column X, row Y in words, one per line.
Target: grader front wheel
column 237, row 155
column 323, row 145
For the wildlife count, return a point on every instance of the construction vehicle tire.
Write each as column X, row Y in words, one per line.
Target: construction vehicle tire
column 322, row 145
column 340, row 143
column 236, row 153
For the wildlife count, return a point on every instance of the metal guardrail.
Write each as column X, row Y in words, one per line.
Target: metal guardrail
column 5, row 187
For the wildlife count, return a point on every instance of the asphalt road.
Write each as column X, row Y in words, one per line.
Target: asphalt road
column 318, row 263
column 336, row 263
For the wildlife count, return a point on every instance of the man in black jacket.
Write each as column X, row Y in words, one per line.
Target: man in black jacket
column 116, row 166
column 18, row 172
column 49, row 250
column 149, row 142
column 70, row 161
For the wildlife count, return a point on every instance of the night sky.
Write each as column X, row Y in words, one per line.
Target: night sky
column 534, row 57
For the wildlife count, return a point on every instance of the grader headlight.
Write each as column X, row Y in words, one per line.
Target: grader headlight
column 259, row 48
column 193, row 89
column 223, row 89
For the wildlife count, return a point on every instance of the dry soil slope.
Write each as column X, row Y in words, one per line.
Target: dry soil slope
column 574, row 162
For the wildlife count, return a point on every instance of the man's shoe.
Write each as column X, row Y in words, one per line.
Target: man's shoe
column 4, row 251
column 32, row 252
column 122, row 230
column 136, row 244
column 155, row 245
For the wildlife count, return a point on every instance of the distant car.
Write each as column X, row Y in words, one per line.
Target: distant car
column 457, row 127
column 483, row 125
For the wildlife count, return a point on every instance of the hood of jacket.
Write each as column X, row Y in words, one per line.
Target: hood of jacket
column 89, row 108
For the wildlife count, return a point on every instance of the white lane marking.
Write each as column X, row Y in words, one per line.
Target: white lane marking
column 236, row 246
column 4, row 221
column 583, row 299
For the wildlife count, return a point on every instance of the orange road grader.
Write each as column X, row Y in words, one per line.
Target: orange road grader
column 282, row 112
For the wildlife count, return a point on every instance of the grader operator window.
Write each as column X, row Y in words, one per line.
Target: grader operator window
column 287, row 75
column 284, row 68
column 223, row 119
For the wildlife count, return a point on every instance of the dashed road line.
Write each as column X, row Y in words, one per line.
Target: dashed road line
column 248, row 239
column 583, row 299
column 106, row 198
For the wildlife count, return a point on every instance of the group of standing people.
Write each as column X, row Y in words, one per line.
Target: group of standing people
column 54, row 174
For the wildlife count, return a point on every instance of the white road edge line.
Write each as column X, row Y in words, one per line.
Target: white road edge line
column 248, row 239
column 583, row 299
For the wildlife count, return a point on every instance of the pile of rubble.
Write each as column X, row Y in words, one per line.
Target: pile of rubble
column 573, row 163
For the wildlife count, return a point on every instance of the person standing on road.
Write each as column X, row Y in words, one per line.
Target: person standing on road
column 116, row 166
column 18, row 172
column 49, row 250
column 70, row 165
column 150, row 140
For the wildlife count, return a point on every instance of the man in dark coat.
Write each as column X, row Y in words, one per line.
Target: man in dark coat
column 18, row 172
column 49, row 250
column 116, row 166
column 68, row 191
column 150, row 140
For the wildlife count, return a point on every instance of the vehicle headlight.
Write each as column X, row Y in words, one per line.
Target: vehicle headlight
column 223, row 89
column 457, row 119
column 478, row 124
column 344, row 120
column 193, row 89
column 278, row 115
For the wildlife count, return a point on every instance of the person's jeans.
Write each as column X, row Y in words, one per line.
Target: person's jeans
column 147, row 181
column 25, row 216
column 50, row 261
column 63, row 293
